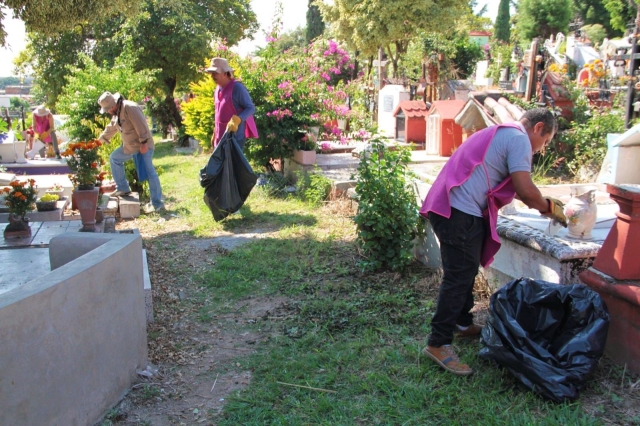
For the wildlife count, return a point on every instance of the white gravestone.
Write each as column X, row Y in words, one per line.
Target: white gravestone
column 388, row 99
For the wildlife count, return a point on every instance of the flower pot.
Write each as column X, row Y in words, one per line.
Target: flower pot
column 17, row 228
column 304, row 157
column 87, row 202
column 99, row 215
column 46, row 206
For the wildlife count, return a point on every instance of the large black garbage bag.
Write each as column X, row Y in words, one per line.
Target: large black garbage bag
column 550, row 336
column 227, row 178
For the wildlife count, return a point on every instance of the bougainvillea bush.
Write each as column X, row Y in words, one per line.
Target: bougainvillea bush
column 293, row 92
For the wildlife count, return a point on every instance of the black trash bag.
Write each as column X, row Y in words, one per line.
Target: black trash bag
column 550, row 336
column 227, row 178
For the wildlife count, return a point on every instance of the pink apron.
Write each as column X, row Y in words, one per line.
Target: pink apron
column 456, row 172
column 225, row 110
column 41, row 124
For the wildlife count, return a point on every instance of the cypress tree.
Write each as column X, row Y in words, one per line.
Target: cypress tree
column 315, row 24
column 502, row 28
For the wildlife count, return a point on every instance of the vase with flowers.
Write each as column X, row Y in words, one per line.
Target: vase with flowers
column 305, row 151
column 20, row 198
column 83, row 160
column 56, row 189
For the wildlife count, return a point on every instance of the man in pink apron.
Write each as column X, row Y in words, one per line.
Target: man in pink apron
column 485, row 173
column 234, row 107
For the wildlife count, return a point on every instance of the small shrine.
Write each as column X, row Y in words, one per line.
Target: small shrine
column 411, row 125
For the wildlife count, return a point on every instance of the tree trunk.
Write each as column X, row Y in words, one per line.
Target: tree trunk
column 394, row 61
column 170, row 84
column 354, row 75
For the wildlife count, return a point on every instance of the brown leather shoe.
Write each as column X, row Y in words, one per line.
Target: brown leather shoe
column 473, row 330
column 446, row 357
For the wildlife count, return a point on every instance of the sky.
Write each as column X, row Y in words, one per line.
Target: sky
column 294, row 15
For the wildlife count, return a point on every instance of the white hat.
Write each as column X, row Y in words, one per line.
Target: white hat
column 107, row 101
column 219, row 65
column 41, row 111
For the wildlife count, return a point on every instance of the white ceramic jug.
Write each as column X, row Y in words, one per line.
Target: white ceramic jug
column 581, row 211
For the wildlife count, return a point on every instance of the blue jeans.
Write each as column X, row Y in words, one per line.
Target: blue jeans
column 117, row 160
column 461, row 240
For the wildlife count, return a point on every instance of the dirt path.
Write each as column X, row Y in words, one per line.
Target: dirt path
column 193, row 354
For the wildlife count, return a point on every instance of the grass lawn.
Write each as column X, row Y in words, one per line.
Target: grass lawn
column 341, row 347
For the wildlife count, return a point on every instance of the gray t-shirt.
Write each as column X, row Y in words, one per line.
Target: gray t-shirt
column 509, row 151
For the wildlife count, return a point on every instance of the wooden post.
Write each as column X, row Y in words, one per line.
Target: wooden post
column 532, row 77
column 633, row 65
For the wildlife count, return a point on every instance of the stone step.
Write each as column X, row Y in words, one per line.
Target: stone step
column 129, row 205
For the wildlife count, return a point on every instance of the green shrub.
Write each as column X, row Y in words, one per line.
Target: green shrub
column 587, row 142
column 387, row 212
column 313, row 188
column 199, row 113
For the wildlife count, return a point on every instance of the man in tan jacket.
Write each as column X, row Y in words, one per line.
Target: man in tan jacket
column 128, row 119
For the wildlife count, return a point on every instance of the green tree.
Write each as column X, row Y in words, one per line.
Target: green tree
column 541, row 18
column 50, row 73
column 595, row 12
column 368, row 25
column 175, row 40
column 18, row 103
column 621, row 12
column 472, row 21
column 315, row 24
column 502, row 28
column 8, row 81
column 79, row 97
column 460, row 55
column 52, row 17
column 290, row 39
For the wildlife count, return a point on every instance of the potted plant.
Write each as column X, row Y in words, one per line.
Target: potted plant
column 56, row 189
column 19, row 197
column 47, row 202
column 305, row 151
column 83, row 160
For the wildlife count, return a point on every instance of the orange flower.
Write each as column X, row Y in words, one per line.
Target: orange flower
column 18, row 194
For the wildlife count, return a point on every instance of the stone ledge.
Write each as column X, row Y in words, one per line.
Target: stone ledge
column 537, row 240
